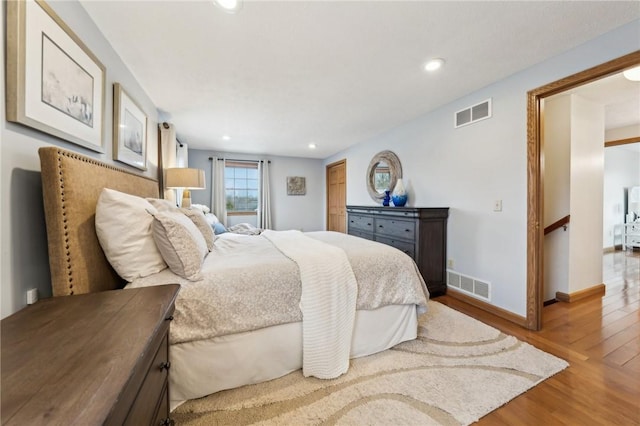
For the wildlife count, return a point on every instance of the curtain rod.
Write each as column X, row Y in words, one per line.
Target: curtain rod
column 166, row 126
column 240, row 161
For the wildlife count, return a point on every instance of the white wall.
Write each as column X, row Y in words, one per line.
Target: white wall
column 24, row 260
column 587, row 184
column 468, row 168
column 556, row 145
column 621, row 170
column 303, row 212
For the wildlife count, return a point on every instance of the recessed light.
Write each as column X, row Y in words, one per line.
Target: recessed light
column 230, row 6
column 434, row 64
column 226, row 137
column 632, row 74
column 312, row 145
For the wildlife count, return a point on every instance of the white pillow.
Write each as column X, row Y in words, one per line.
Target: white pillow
column 197, row 217
column 182, row 245
column 163, row 205
column 123, row 226
column 204, row 209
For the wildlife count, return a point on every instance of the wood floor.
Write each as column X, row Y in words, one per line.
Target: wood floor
column 599, row 337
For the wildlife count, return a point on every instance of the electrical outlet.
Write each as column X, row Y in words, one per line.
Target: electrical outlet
column 32, row 296
column 497, row 206
column 450, row 263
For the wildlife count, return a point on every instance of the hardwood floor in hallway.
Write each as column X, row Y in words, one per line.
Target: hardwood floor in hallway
column 599, row 337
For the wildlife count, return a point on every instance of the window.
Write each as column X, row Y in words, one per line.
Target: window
column 241, row 187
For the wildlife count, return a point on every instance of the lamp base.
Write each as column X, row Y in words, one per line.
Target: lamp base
column 186, row 199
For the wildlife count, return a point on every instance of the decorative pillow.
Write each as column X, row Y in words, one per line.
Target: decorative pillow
column 211, row 218
column 163, row 205
column 123, row 226
column 182, row 245
column 197, row 217
column 245, row 229
column 204, row 209
column 218, row 228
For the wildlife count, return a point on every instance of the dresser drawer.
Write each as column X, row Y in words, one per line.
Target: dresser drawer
column 396, row 228
column 363, row 223
column 633, row 240
column 361, row 234
column 403, row 246
column 146, row 404
column 161, row 416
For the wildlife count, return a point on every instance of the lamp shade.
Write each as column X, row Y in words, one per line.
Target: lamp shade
column 185, row 178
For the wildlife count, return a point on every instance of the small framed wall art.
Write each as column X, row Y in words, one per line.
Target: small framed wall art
column 129, row 130
column 55, row 84
column 296, row 185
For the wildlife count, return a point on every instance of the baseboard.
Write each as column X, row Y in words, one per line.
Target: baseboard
column 499, row 312
column 596, row 290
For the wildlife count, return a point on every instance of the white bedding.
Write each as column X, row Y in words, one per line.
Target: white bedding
column 249, row 284
column 251, row 290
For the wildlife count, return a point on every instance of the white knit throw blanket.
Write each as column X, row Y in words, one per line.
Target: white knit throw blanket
column 328, row 302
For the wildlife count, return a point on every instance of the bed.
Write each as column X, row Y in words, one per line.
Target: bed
column 258, row 336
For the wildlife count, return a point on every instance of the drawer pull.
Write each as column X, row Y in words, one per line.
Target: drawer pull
column 167, row 422
column 169, row 318
column 380, row 226
column 165, row 365
column 368, row 224
column 407, row 230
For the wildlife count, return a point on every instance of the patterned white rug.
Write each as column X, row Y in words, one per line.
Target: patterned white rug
column 457, row 371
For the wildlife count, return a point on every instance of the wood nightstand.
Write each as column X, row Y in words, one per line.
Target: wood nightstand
column 98, row 358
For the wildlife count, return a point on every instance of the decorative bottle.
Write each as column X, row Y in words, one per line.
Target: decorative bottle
column 386, row 199
column 399, row 196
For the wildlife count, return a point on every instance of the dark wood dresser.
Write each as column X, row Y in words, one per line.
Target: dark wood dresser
column 100, row 358
column 419, row 232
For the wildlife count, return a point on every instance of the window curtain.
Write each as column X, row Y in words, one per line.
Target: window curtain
column 218, row 196
column 166, row 157
column 264, row 199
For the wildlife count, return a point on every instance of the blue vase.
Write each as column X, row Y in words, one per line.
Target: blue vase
column 399, row 200
column 399, row 196
column 386, row 199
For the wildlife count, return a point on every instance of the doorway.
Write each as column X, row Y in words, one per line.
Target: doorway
column 337, row 196
column 535, row 174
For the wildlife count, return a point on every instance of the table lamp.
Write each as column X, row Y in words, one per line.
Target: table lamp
column 186, row 179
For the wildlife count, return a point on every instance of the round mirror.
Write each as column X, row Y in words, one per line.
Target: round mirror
column 381, row 177
column 384, row 170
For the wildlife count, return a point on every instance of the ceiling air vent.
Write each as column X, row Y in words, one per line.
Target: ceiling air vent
column 473, row 113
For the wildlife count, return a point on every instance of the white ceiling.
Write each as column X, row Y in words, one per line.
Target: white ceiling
column 619, row 96
column 281, row 74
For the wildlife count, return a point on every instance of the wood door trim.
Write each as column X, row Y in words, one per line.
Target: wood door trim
column 326, row 185
column 535, row 174
column 622, row 141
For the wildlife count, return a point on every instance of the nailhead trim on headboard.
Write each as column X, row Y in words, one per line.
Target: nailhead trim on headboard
column 65, row 225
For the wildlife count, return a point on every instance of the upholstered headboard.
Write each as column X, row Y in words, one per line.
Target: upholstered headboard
column 71, row 185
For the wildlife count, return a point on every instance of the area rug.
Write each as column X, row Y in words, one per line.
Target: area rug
column 457, row 371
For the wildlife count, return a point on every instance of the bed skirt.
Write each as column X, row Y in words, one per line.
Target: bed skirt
column 200, row 368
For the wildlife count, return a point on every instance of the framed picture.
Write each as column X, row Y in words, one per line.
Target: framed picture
column 129, row 130
column 296, row 185
column 54, row 83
